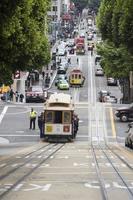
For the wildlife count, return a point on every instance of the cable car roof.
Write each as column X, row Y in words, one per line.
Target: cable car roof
column 59, row 101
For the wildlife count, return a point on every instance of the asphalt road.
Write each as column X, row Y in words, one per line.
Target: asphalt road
column 14, row 124
column 94, row 166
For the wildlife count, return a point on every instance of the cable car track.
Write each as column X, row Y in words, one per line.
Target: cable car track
column 24, row 163
column 101, row 146
column 27, row 173
column 10, row 160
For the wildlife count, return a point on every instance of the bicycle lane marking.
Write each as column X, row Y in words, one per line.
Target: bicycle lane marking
column 3, row 140
column 3, row 113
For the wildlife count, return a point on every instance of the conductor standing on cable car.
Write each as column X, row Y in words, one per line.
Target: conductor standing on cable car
column 41, row 124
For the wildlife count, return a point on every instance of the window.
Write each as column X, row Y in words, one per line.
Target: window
column 54, row 8
column 49, row 116
column 66, row 117
column 58, row 117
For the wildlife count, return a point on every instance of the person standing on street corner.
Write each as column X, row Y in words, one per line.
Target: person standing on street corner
column 16, row 96
column 41, row 125
column 11, row 95
column 33, row 115
column 21, row 97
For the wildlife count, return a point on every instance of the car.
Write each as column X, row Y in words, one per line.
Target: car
column 60, row 77
column 97, row 59
column 102, row 94
column 125, row 114
column 71, row 43
column 90, row 47
column 111, row 81
column 90, row 37
column 82, row 35
column 63, row 85
column 62, row 66
column 61, row 70
column 35, row 94
column 129, row 137
column 99, row 72
column 110, row 99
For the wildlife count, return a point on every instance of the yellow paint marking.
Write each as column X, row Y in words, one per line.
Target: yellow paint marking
column 112, row 123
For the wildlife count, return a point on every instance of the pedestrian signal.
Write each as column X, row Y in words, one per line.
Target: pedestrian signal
column 17, row 75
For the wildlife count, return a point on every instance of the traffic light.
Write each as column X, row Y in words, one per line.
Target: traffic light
column 17, row 75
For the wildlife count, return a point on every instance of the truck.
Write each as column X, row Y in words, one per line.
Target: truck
column 80, row 46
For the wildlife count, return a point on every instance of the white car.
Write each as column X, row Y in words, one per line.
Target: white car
column 99, row 72
column 110, row 99
column 61, row 52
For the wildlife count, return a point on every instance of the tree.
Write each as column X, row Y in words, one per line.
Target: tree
column 23, row 44
column 80, row 4
column 116, row 26
column 117, row 62
column 126, row 24
column 94, row 4
column 104, row 18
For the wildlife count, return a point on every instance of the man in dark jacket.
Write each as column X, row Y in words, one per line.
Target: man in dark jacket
column 41, row 124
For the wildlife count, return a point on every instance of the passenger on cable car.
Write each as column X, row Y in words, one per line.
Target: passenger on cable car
column 41, row 125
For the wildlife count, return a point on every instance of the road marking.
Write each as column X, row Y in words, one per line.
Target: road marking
column 3, row 113
column 112, row 123
column 38, row 187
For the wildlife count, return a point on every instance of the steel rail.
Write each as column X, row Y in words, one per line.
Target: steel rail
column 2, row 195
column 100, row 179
column 118, row 156
column 120, row 176
column 13, row 170
column 23, row 155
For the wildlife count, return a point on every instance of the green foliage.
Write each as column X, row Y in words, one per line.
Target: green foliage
column 104, row 18
column 80, row 4
column 23, row 44
column 115, row 21
column 117, row 62
column 126, row 24
column 94, row 4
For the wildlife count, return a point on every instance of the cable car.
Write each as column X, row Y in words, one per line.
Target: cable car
column 76, row 78
column 60, row 120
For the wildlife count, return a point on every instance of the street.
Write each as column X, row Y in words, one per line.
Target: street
column 96, row 165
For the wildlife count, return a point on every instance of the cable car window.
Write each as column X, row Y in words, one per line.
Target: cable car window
column 72, row 76
column 79, row 76
column 49, row 117
column 75, row 76
column 66, row 117
column 58, row 117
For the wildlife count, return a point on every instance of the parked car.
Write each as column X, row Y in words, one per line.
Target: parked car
column 99, row 72
column 111, row 81
column 97, row 59
column 63, row 85
column 102, row 94
column 125, row 113
column 35, row 94
column 110, row 99
column 129, row 137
